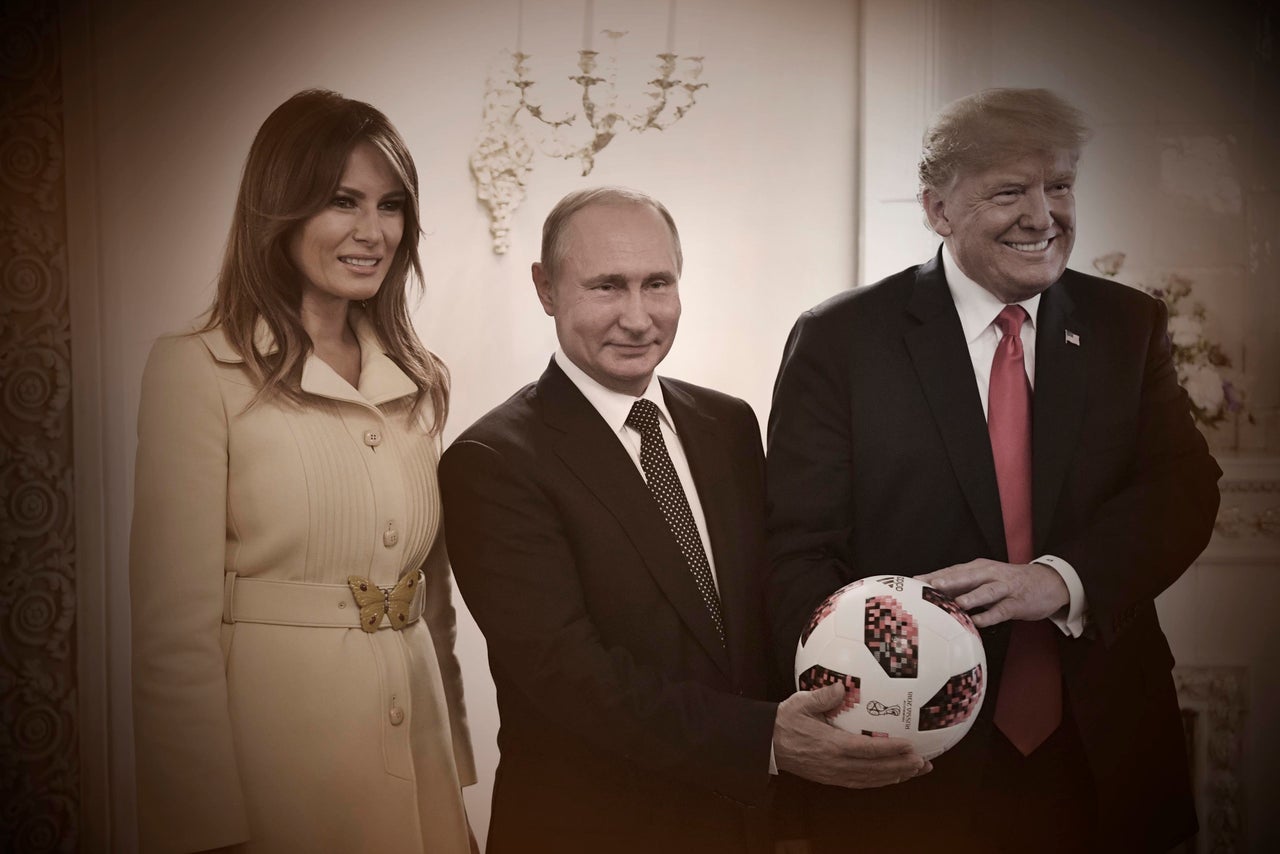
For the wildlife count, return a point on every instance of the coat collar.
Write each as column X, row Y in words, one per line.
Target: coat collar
column 381, row 379
column 588, row 447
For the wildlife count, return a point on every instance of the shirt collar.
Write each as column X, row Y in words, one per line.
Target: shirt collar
column 613, row 406
column 976, row 305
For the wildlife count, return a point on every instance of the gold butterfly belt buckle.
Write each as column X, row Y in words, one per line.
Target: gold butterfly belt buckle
column 374, row 601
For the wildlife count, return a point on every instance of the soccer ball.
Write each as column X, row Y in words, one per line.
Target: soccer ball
column 910, row 659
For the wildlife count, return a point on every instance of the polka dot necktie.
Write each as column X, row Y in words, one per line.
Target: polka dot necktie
column 1029, row 705
column 664, row 485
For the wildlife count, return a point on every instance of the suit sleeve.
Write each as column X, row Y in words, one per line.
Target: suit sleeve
column 442, row 623
column 810, row 488
column 516, row 569
column 1144, row 536
column 189, row 794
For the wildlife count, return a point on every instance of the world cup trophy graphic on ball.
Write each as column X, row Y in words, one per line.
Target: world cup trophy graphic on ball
column 909, row 657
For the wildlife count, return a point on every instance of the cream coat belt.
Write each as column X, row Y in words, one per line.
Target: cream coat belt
column 299, row 603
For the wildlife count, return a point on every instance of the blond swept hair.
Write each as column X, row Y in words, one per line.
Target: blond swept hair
column 981, row 130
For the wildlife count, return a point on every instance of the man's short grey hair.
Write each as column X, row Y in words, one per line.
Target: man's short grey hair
column 979, row 131
column 554, row 228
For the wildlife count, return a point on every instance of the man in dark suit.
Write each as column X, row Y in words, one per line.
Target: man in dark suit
column 1013, row 431
column 606, row 530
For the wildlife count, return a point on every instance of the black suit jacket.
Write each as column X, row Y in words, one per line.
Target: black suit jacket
column 880, row 461
column 625, row 724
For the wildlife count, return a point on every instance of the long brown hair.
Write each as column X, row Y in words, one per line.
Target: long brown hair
column 293, row 169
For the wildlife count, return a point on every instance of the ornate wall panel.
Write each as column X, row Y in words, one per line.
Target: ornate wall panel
column 39, row 779
column 1215, row 706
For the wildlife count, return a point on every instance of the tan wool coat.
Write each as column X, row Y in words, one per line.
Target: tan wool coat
column 288, row 734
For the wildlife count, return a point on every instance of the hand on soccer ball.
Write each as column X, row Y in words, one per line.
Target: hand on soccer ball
column 994, row 592
column 806, row 745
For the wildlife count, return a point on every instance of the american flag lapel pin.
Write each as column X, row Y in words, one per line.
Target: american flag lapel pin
column 1073, row 338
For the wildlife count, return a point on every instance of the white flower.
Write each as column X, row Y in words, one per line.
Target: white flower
column 1185, row 331
column 1205, row 388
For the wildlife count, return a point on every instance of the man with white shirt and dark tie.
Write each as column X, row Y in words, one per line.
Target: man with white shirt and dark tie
column 1013, row 432
column 606, row 529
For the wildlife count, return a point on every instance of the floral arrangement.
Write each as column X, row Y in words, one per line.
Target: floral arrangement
column 1204, row 371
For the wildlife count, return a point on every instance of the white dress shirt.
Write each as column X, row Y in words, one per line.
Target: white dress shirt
column 614, row 407
column 978, row 309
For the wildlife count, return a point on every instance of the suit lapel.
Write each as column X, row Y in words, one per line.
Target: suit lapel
column 597, row 458
column 1059, row 401
column 941, row 359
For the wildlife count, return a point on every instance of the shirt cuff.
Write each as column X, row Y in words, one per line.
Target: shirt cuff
column 773, row 761
column 1070, row 618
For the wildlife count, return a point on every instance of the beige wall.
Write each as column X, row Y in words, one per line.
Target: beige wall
column 759, row 177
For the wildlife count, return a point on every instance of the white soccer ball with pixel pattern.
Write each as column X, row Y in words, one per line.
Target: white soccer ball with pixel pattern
column 910, row 658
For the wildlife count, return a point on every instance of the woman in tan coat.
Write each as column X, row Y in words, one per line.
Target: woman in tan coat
column 295, row 686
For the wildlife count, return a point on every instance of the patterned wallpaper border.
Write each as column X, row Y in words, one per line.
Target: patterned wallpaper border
column 39, row 766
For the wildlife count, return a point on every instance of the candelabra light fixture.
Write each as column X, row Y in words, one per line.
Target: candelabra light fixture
column 516, row 125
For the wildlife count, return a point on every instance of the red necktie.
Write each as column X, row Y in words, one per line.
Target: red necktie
column 1029, row 705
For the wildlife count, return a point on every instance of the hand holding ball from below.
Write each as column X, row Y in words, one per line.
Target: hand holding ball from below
column 807, row 745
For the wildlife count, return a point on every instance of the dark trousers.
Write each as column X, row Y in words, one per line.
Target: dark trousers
column 1045, row 802
column 992, row 800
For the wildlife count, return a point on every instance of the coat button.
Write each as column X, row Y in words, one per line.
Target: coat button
column 396, row 715
column 390, row 536
column 372, row 438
